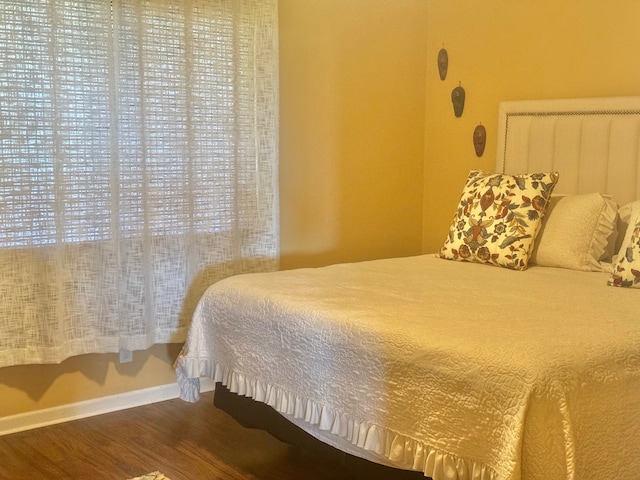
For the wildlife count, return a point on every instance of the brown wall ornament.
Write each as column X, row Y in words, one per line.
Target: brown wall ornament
column 443, row 63
column 479, row 139
column 457, row 98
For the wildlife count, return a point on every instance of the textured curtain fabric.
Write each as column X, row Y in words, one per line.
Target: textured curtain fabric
column 138, row 165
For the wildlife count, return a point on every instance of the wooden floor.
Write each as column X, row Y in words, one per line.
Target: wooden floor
column 182, row 440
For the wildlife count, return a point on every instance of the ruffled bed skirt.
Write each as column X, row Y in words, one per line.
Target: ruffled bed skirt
column 401, row 450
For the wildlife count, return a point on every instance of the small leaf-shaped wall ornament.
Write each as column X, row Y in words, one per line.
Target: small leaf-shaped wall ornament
column 443, row 63
column 479, row 139
column 457, row 98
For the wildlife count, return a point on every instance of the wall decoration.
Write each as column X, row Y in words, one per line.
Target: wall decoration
column 457, row 98
column 443, row 63
column 479, row 139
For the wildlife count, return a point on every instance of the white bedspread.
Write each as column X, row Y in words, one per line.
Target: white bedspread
column 459, row 370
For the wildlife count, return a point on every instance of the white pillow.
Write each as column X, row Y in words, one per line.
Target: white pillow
column 624, row 216
column 578, row 232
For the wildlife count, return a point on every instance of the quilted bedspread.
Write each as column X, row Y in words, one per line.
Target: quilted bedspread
column 459, row 370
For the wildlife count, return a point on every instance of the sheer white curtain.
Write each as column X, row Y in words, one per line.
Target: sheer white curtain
column 138, row 165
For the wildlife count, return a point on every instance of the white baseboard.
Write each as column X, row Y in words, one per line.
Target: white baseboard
column 97, row 406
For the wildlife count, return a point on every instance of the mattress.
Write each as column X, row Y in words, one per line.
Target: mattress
column 458, row 370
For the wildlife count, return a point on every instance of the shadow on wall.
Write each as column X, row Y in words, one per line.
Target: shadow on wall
column 36, row 380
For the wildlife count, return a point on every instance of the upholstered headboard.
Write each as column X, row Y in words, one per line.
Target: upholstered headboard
column 594, row 143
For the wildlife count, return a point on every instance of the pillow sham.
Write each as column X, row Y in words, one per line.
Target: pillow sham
column 626, row 271
column 498, row 218
column 624, row 215
column 578, row 232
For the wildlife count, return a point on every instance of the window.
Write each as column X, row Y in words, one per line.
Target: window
column 138, row 150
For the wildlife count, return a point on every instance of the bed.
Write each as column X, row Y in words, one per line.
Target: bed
column 511, row 353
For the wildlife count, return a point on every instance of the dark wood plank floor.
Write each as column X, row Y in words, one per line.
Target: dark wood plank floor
column 182, row 440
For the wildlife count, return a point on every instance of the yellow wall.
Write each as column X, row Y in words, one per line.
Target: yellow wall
column 352, row 112
column 510, row 50
column 351, row 122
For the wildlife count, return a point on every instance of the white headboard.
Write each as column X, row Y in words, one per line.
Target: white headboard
column 594, row 143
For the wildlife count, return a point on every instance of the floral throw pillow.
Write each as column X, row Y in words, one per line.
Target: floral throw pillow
column 626, row 272
column 498, row 218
